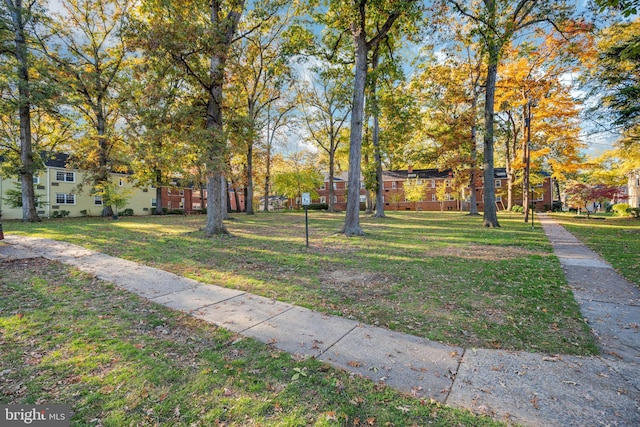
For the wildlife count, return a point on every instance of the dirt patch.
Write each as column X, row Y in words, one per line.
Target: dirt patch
column 362, row 285
column 484, row 252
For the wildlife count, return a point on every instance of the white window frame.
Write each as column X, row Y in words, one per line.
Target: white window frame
column 65, row 199
column 433, row 183
column 434, row 198
column 498, row 183
column 64, row 176
column 323, row 186
column 323, row 199
column 121, row 182
column 154, row 203
column 393, row 185
column 97, row 200
column 363, row 198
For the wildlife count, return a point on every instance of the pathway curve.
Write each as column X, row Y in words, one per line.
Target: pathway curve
column 526, row 388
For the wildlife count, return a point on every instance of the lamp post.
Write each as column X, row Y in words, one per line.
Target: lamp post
column 527, row 167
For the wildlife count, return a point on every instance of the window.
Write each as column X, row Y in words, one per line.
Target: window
column 498, row 183
column 447, row 182
column 361, row 184
column 36, row 180
column 65, row 176
column 97, row 200
column 121, row 182
column 323, row 199
column 363, row 199
column 181, row 192
column 498, row 198
column 65, row 199
column 393, row 184
column 433, row 198
column 418, row 182
column 323, row 186
column 154, row 203
column 335, row 185
column 433, row 183
column 335, row 199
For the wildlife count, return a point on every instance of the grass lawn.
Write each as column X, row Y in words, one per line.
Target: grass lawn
column 119, row 360
column 441, row 276
column 616, row 239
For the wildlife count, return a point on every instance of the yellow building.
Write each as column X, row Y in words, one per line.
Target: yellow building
column 57, row 188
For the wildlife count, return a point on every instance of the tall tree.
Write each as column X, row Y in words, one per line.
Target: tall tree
column 497, row 22
column 279, row 118
column 615, row 78
column 15, row 19
column 259, row 75
column 198, row 36
column 368, row 22
column 158, row 115
column 324, row 102
column 86, row 44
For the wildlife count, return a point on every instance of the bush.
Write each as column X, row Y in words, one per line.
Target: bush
column 620, row 209
column 319, row 206
column 60, row 214
column 173, row 211
column 127, row 212
column 517, row 209
column 634, row 212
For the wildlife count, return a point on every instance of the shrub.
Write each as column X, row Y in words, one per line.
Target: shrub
column 60, row 214
column 517, row 208
column 127, row 212
column 319, row 206
column 634, row 212
column 620, row 209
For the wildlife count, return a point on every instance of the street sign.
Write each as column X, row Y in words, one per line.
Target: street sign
column 306, row 199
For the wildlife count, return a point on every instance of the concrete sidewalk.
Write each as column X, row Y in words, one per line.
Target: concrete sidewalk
column 525, row 388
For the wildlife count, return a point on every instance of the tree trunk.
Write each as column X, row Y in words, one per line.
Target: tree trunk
column 225, row 29
column 377, row 156
column 248, row 200
column 225, row 203
column 352, row 219
column 332, row 171
column 490, row 215
column 473, row 208
column 159, row 210
column 29, row 213
column 215, row 216
column 266, row 178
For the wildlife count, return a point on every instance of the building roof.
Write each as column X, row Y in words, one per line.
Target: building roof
column 55, row 160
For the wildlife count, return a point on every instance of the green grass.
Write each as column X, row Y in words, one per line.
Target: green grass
column 616, row 239
column 441, row 276
column 120, row 360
